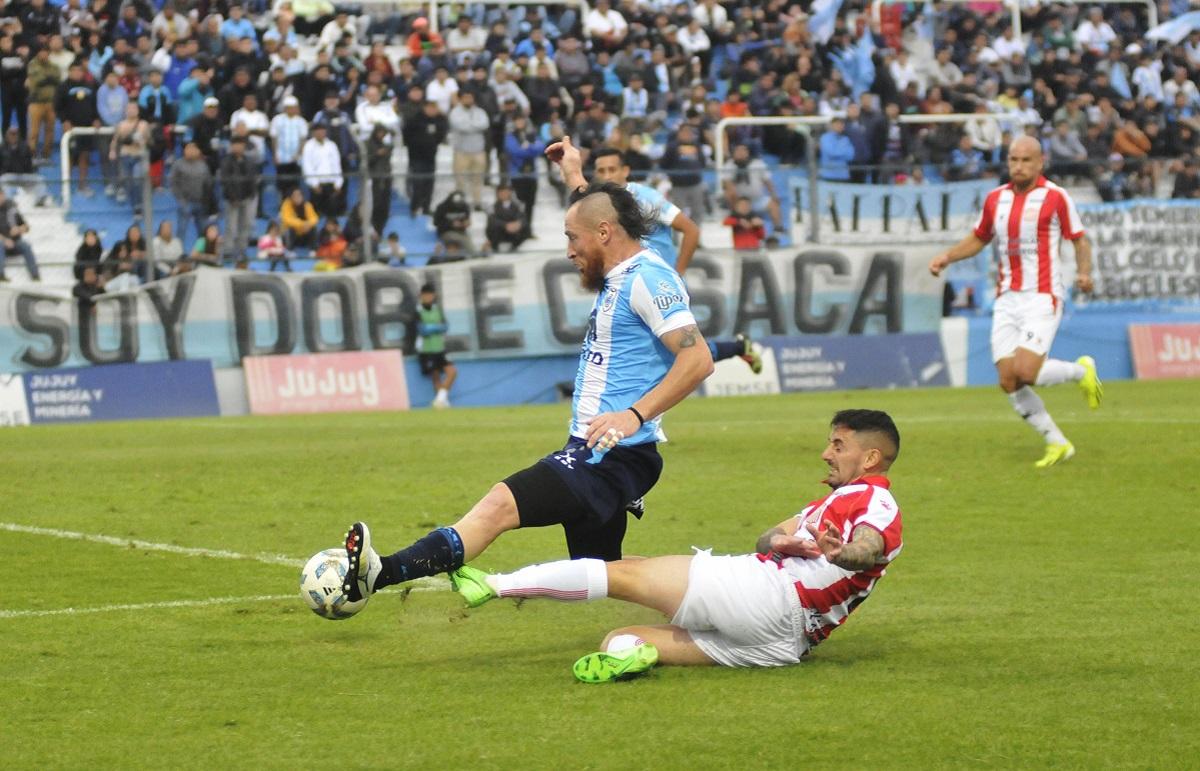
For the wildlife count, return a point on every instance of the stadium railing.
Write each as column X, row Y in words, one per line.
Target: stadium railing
column 437, row 8
column 1015, row 7
column 804, row 124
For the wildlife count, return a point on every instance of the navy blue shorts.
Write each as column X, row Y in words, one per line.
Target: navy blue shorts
column 564, row 489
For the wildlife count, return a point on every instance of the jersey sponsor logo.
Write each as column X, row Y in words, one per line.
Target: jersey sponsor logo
column 667, row 296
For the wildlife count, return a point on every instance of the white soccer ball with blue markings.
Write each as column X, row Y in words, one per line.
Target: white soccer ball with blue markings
column 321, row 585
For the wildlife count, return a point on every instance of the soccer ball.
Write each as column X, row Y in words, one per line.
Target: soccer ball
column 321, row 585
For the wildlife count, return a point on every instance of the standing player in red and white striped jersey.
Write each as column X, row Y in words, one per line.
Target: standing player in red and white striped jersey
column 1028, row 219
column 751, row 610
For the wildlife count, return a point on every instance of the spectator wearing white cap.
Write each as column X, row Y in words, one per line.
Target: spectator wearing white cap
column 374, row 111
column 288, row 132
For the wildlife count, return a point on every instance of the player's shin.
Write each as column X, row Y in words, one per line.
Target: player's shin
column 565, row 580
column 1031, row 407
column 441, row 551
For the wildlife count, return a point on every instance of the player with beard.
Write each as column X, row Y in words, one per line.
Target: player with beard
column 766, row 609
column 642, row 354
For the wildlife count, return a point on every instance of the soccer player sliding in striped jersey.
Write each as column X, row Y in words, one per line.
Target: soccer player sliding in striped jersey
column 610, row 166
column 1027, row 219
column 766, row 609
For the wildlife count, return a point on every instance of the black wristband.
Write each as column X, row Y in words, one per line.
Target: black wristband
column 638, row 415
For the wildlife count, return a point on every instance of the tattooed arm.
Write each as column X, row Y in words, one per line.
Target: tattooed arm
column 862, row 553
column 692, row 364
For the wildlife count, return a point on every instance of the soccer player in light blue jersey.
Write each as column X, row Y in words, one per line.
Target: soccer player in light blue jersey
column 610, row 166
column 642, row 354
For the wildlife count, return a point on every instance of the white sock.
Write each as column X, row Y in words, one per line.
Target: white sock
column 1055, row 371
column 1030, row 407
column 623, row 642
column 566, row 580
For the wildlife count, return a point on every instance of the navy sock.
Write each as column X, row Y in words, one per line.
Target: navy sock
column 726, row 350
column 441, row 551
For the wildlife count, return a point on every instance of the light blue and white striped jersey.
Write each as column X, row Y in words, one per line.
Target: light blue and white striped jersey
column 622, row 357
column 664, row 213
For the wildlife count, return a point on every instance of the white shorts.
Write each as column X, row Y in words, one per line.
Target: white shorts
column 742, row 612
column 1026, row 320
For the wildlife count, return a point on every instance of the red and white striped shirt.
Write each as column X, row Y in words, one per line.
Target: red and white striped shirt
column 1028, row 229
column 829, row 592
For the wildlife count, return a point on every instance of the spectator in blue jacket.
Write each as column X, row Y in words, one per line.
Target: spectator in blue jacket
column 238, row 27
column 837, row 151
column 523, row 148
column 111, row 100
column 181, row 65
column 155, row 101
column 130, row 26
column 965, row 161
column 193, row 92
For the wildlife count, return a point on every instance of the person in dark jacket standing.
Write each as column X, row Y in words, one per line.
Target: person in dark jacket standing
column 379, row 165
column 75, row 103
column 192, row 185
column 14, row 96
column 206, row 129
column 239, row 189
column 16, row 166
column 422, row 136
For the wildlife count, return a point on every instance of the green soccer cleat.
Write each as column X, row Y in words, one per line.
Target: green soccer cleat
column 602, row 667
column 1093, row 389
column 472, row 584
column 752, row 357
column 1056, row 453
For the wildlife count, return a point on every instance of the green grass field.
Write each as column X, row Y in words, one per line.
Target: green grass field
column 1034, row 619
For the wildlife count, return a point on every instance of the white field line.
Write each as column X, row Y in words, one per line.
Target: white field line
column 1098, row 417
column 134, row 543
column 145, row 606
column 420, row 584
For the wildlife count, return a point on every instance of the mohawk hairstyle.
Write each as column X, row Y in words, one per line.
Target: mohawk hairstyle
column 636, row 223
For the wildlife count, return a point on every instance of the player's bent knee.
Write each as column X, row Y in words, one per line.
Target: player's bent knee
column 499, row 509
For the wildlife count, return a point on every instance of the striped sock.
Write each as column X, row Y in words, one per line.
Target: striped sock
column 565, row 580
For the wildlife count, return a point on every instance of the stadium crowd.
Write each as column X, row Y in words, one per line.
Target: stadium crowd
column 226, row 102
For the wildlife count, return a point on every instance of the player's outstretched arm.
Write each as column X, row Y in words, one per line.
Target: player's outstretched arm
column 689, row 239
column 968, row 247
column 862, row 552
column 1083, row 265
